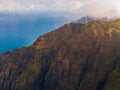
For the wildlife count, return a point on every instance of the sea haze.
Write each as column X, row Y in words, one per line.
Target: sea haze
column 18, row 30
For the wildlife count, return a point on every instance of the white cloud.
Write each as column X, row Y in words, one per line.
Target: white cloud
column 50, row 5
column 102, row 8
column 96, row 8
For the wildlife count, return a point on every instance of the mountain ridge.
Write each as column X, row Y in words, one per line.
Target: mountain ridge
column 73, row 57
column 87, row 19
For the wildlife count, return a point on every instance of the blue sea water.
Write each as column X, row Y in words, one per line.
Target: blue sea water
column 17, row 30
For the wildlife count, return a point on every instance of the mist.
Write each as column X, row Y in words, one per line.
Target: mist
column 101, row 8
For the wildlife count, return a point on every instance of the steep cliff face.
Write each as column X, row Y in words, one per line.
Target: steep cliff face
column 74, row 57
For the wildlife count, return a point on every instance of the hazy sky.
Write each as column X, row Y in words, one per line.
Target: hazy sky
column 75, row 8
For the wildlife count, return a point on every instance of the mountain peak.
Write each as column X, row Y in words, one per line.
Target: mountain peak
column 87, row 19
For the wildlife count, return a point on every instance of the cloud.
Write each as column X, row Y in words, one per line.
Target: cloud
column 102, row 8
column 20, row 5
column 39, row 5
column 76, row 8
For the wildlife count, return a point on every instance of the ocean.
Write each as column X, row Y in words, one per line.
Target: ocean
column 18, row 30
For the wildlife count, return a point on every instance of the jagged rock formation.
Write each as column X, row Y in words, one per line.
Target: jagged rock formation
column 74, row 57
column 87, row 19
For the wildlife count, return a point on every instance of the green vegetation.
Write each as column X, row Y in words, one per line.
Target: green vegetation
column 73, row 57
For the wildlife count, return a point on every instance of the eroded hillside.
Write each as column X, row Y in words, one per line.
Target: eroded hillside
column 74, row 57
